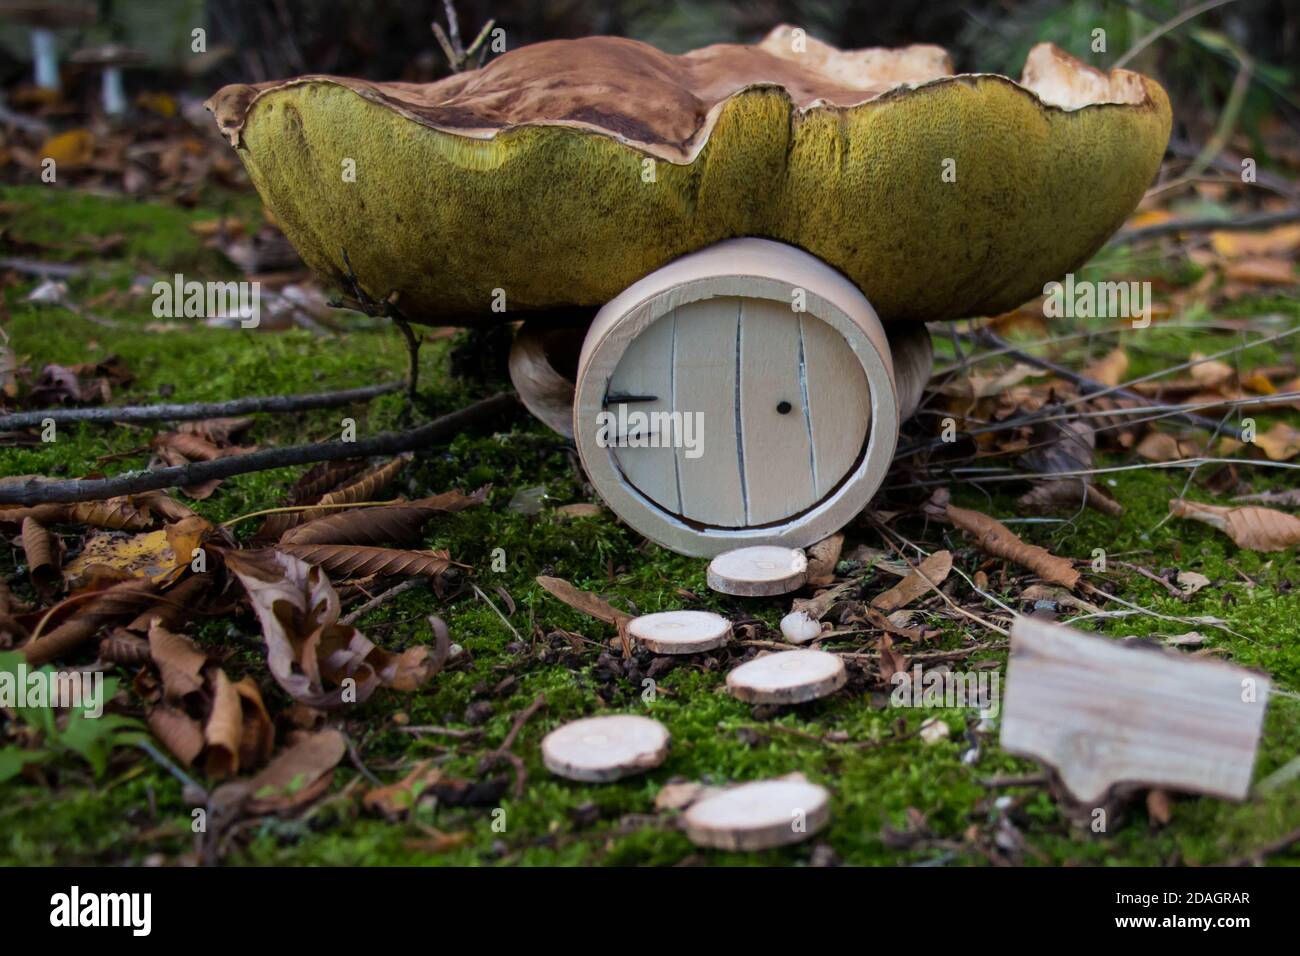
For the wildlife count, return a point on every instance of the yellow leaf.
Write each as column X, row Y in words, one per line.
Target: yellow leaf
column 70, row 150
column 145, row 555
column 1277, row 241
column 1153, row 217
column 1280, row 443
column 1258, row 383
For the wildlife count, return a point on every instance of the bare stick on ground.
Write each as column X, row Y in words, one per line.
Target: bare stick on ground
column 36, row 491
column 196, row 411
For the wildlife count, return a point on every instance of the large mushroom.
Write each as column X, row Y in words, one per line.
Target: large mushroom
column 564, row 171
column 764, row 229
column 44, row 18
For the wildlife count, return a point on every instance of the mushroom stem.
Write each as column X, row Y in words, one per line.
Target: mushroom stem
column 114, row 96
column 46, row 57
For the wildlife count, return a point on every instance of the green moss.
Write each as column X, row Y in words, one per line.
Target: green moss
column 881, row 776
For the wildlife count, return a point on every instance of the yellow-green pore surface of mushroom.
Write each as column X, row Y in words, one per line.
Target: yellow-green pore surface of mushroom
column 564, row 171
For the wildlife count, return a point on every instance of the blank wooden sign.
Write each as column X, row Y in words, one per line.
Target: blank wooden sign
column 1102, row 714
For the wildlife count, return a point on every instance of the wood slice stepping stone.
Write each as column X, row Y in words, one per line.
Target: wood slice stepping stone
column 681, row 632
column 788, row 677
column 758, row 816
column 759, row 571
column 600, row 749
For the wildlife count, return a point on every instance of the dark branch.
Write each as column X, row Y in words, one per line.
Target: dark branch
column 1263, row 220
column 199, row 410
column 37, row 491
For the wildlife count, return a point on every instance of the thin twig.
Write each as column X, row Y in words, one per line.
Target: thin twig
column 184, row 778
column 503, row 752
column 1165, row 27
column 504, row 620
column 1089, row 386
column 379, row 600
column 37, row 491
column 195, row 411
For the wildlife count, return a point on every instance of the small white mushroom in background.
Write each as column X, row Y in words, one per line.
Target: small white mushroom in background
column 111, row 58
column 800, row 627
column 788, row 677
column 759, row 571
column 44, row 17
column 600, row 749
column 681, row 632
column 758, row 816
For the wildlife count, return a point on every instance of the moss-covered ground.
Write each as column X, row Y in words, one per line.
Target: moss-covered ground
column 896, row 799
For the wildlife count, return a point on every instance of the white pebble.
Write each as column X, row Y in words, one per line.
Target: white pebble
column 799, row 627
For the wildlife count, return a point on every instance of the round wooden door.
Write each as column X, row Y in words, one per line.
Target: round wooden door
column 738, row 412
column 743, row 394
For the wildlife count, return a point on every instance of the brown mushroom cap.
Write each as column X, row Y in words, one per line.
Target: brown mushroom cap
column 48, row 13
column 530, row 175
column 108, row 54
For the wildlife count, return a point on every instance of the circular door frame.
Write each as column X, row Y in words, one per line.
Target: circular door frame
column 747, row 269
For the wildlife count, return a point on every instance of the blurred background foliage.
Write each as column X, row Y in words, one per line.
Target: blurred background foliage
column 252, row 40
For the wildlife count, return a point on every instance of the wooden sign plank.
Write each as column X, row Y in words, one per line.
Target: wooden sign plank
column 1103, row 714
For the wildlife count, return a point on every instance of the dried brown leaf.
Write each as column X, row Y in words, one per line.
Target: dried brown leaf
column 123, row 647
column 180, row 663
column 217, row 431
column 396, row 799
column 354, row 561
column 322, row 478
column 822, row 559
column 585, row 602
column 179, row 732
column 1280, row 443
column 995, row 538
column 928, row 575
column 115, row 514
column 1162, row 446
column 306, row 646
column 42, row 550
column 119, row 600
column 296, row 776
column 1109, row 370
column 362, row 489
column 190, row 447
column 891, row 662
column 388, row 524
column 161, row 505
column 223, row 730
column 1249, row 526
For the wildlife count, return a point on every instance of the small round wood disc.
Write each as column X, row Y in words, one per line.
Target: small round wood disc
column 681, row 632
column 599, row 749
column 788, row 677
column 757, row 816
column 759, row 571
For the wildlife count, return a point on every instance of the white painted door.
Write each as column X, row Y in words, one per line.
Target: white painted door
column 738, row 412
